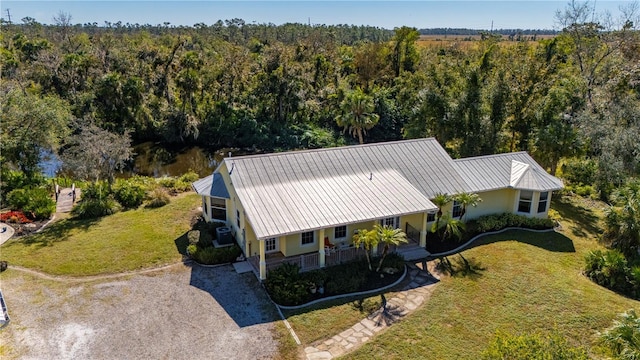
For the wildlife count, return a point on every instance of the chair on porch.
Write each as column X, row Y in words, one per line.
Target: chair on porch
column 328, row 246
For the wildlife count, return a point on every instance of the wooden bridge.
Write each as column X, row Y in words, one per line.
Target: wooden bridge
column 66, row 198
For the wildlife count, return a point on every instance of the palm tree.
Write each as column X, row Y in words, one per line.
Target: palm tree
column 622, row 222
column 466, row 200
column 452, row 227
column 389, row 236
column 440, row 200
column 623, row 338
column 368, row 240
column 357, row 114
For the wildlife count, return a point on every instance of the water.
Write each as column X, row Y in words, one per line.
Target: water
column 152, row 159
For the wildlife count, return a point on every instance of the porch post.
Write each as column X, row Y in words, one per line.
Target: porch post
column 321, row 247
column 263, row 261
column 423, row 233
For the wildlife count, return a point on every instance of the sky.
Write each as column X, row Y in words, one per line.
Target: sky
column 473, row 14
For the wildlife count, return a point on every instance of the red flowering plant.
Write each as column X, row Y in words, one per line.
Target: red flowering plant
column 14, row 217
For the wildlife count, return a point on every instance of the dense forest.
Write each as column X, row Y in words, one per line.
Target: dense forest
column 277, row 87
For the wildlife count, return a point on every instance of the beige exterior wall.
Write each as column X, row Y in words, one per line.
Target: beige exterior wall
column 493, row 202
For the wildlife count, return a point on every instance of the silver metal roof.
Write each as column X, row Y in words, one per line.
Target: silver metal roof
column 212, row 185
column 291, row 192
column 512, row 170
column 281, row 203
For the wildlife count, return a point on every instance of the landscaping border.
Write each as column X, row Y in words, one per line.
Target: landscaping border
column 367, row 292
column 463, row 246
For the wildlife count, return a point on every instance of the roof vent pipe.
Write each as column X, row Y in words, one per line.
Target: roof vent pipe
column 229, row 153
column 370, row 176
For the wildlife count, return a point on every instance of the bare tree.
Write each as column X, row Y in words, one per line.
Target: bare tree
column 96, row 154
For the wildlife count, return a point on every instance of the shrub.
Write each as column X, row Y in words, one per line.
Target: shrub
column 189, row 177
column 96, row 190
column 157, row 198
column 192, row 250
column 610, row 269
column 207, row 229
column 37, row 202
column 181, row 186
column 286, row 286
column 497, row 222
column 580, row 171
column 89, row 208
column 167, row 182
column 622, row 337
column 194, row 237
column 532, row 346
column 14, row 217
column 211, row 256
column 584, row 190
column 129, row 193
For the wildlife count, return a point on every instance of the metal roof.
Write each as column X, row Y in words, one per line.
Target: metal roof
column 212, row 185
column 512, row 170
column 291, row 192
column 278, row 204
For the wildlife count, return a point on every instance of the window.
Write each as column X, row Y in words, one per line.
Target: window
column 218, row 209
column 392, row 221
column 307, row 238
column 238, row 218
column 524, row 205
column 457, row 209
column 542, row 203
column 340, row 232
column 431, row 217
column 270, row 245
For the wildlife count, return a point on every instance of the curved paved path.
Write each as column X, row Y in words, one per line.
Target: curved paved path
column 403, row 303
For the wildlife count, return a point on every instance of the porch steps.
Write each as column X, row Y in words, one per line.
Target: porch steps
column 412, row 252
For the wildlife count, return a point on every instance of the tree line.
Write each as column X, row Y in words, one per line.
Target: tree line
column 268, row 87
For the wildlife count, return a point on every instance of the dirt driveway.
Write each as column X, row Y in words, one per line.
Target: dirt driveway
column 175, row 313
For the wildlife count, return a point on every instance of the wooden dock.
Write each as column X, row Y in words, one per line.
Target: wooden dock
column 66, row 199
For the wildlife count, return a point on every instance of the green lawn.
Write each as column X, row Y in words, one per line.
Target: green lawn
column 125, row 241
column 524, row 282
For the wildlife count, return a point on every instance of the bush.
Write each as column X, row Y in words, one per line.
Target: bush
column 532, row 346
column 580, row 171
column 97, row 190
column 89, row 208
column 286, row 286
column 194, row 237
column 36, row 202
column 167, row 182
column 610, row 269
column 212, row 256
column 584, row 190
column 129, row 193
column 189, row 177
column 157, row 198
column 497, row 222
column 207, row 229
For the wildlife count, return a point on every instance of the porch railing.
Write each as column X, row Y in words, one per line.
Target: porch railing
column 310, row 261
column 413, row 234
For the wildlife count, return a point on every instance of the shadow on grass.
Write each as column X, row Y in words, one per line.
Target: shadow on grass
column 461, row 266
column 57, row 232
column 585, row 220
column 181, row 244
column 550, row 241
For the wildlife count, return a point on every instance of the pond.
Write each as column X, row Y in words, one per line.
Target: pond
column 152, row 159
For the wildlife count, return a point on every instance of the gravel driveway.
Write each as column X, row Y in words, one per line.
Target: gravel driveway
column 176, row 313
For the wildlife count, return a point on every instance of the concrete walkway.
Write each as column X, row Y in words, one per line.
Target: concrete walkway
column 403, row 303
column 6, row 232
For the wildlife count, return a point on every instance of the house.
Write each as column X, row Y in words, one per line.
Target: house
column 302, row 206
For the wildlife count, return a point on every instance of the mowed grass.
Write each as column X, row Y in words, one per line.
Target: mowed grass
column 125, row 241
column 522, row 282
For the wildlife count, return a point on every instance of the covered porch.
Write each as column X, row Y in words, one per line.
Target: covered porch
column 338, row 254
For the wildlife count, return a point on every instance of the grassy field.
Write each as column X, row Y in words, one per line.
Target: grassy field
column 524, row 282
column 125, row 241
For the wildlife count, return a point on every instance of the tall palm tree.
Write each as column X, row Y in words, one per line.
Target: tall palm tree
column 357, row 114
column 623, row 338
column 440, row 200
column 368, row 240
column 389, row 236
column 466, row 200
